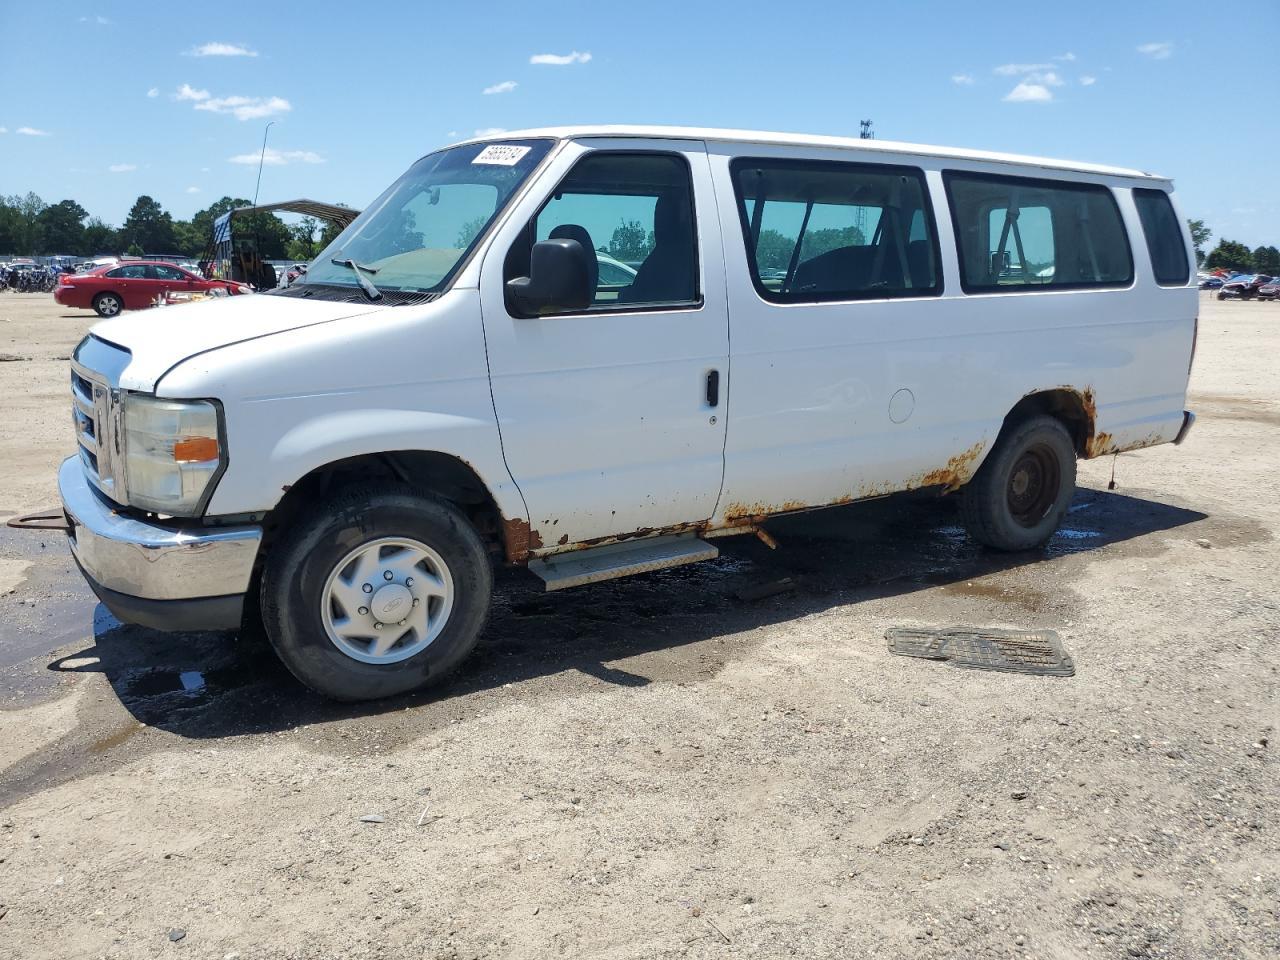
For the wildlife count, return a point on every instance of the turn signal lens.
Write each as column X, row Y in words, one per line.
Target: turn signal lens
column 195, row 449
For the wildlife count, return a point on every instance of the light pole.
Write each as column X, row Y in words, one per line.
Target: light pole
column 261, row 158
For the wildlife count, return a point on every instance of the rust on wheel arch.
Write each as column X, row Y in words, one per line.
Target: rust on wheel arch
column 519, row 539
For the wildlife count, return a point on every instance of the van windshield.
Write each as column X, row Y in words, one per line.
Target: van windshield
column 413, row 238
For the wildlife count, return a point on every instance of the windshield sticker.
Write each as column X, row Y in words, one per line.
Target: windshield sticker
column 501, row 154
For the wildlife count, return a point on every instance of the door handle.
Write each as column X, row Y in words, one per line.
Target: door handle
column 713, row 388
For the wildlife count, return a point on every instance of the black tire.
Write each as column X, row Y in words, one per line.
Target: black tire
column 1021, row 492
column 299, row 566
column 102, row 305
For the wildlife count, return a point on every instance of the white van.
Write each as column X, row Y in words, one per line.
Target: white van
column 593, row 350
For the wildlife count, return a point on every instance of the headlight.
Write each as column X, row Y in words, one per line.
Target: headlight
column 172, row 453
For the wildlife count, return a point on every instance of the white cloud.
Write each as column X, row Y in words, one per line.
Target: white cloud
column 221, row 50
column 204, row 169
column 153, row 92
column 97, row 19
column 560, row 60
column 490, row 131
column 188, row 92
column 1067, row 57
column 963, row 79
column 277, row 158
column 1029, row 93
column 1013, row 69
column 1088, row 81
column 4, row 129
column 1157, row 51
column 246, row 108
column 506, row 86
column 32, row 132
column 193, row 189
column 122, row 167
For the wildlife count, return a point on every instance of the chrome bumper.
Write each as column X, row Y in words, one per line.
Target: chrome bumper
column 152, row 561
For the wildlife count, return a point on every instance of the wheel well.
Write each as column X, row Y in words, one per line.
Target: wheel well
column 1074, row 409
column 447, row 476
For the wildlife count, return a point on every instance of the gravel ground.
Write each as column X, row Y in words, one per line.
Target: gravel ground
column 654, row 768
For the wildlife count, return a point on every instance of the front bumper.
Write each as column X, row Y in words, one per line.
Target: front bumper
column 159, row 575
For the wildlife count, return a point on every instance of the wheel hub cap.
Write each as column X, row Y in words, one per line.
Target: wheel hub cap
column 391, row 603
column 387, row 600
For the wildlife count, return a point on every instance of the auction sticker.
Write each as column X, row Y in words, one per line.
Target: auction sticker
column 501, row 154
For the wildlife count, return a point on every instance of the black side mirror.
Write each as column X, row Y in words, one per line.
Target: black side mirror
column 559, row 279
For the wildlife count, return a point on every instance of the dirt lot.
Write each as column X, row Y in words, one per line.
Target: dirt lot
column 655, row 768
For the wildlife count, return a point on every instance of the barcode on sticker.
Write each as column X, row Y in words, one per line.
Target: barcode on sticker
column 501, row 154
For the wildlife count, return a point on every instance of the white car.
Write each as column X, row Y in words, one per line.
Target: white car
column 813, row 321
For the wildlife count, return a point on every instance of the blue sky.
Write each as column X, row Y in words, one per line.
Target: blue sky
column 104, row 101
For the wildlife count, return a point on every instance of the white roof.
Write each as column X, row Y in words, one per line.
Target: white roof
column 810, row 140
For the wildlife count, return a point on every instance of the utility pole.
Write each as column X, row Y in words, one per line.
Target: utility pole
column 860, row 218
column 263, row 157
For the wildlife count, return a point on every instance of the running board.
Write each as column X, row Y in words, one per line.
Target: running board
column 578, row 567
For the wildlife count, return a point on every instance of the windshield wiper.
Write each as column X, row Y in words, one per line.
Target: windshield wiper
column 359, row 269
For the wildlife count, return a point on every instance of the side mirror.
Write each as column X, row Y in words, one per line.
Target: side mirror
column 559, row 279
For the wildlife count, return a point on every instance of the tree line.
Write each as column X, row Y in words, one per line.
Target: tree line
column 1232, row 255
column 31, row 227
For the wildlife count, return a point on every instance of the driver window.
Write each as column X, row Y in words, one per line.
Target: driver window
column 167, row 273
column 634, row 212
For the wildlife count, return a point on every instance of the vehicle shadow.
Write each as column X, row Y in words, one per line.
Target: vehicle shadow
column 215, row 685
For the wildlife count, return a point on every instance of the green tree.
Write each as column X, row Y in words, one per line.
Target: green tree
column 773, row 250
column 302, row 239
column 134, row 250
column 149, row 226
column 62, row 226
column 630, row 242
column 1200, row 235
column 1230, row 255
column 24, row 223
column 98, row 237
column 9, row 228
column 189, row 240
column 469, row 231
column 822, row 241
column 1267, row 260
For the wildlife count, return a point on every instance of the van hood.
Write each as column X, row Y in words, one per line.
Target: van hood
column 162, row 337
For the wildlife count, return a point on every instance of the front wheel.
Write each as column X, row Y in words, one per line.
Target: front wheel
column 1021, row 493
column 382, row 591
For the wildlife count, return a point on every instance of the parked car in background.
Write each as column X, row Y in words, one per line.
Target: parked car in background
column 1211, row 283
column 1270, row 291
column 131, row 286
column 1244, row 287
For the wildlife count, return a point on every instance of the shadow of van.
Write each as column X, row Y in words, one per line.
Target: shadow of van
column 212, row 685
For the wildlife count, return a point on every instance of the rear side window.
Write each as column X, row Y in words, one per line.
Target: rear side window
column 1160, row 226
column 819, row 230
column 1016, row 233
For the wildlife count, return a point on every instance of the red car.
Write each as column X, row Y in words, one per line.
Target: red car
column 131, row 286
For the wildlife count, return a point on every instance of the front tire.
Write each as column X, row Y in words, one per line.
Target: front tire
column 382, row 590
column 108, row 305
column 1021, row 493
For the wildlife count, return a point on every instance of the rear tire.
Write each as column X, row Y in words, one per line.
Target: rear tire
column 323, row 586
column 1021, row 493
column 108, row 305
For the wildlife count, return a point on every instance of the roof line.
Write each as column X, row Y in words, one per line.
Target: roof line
column 719, row 135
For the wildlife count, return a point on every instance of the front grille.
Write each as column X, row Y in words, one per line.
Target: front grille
column 93, row 407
